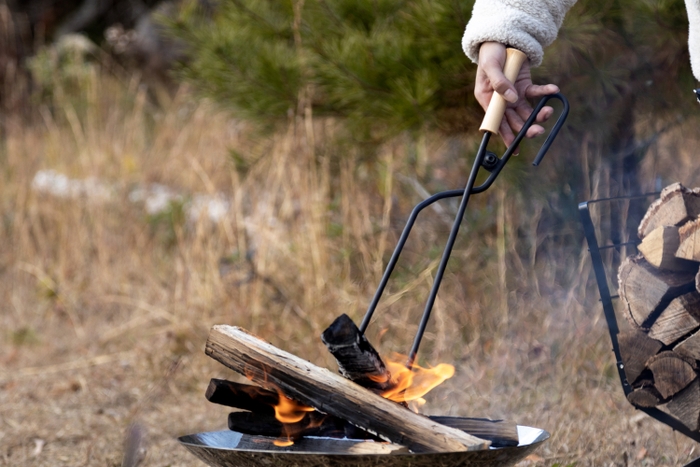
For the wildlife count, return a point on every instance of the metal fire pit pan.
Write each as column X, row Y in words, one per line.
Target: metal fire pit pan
column 232, row 449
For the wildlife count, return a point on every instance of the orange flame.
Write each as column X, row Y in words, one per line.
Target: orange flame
column 283, row 443
column 413, row 384
column 287, row 410
column 290, row 411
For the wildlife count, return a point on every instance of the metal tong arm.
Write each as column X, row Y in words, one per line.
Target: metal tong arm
column 469, row 189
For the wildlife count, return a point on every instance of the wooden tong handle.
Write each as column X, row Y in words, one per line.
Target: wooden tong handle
column 497, row 106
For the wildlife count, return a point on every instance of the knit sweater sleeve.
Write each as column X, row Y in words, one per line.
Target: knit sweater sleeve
column 693, row 7
column 528, row 25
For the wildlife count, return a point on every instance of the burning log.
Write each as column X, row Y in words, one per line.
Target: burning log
column 317, row 387
column 263, row 423
column 242, row 396
column 313, row 424
column 263, row 420
column 357, row 359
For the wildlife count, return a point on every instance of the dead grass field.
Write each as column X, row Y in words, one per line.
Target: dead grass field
column 105, row 308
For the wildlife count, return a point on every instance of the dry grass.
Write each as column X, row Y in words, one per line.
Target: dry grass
column 106, row 309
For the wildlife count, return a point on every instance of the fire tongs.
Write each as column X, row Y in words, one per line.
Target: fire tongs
column 484, row 159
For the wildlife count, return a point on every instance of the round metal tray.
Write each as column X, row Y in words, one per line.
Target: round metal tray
column 232, row 449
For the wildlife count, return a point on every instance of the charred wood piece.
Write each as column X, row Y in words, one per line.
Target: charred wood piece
column 357, row 359
column 242, row 396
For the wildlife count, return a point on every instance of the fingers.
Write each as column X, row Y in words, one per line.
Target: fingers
column 494, row 72
column 490, row 77
column 534, row 91
column 505, row 132
column 516, row 121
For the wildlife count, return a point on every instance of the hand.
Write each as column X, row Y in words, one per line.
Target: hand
column 489, row 77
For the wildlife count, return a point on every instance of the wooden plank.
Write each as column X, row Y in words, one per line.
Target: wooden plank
column 357, row 359
column 671, row 373
column 328, row 392
column 636, row 348
column 645, row 291
column 659, row 249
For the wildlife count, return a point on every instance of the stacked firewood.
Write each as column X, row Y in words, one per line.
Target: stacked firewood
column 659, row 289
column 293, row 398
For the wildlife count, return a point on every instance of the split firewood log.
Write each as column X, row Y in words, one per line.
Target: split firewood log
column 646, row 395
column 679, row 318
column 645, row 290
column 660, row 294
column 689, row 347
column 685, row 406
column 689, row 241
column 636, row 348
column 659, row 249
column 676, row 205
column 672, row 372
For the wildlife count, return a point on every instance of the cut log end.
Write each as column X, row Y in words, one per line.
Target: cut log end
column 672, row 373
